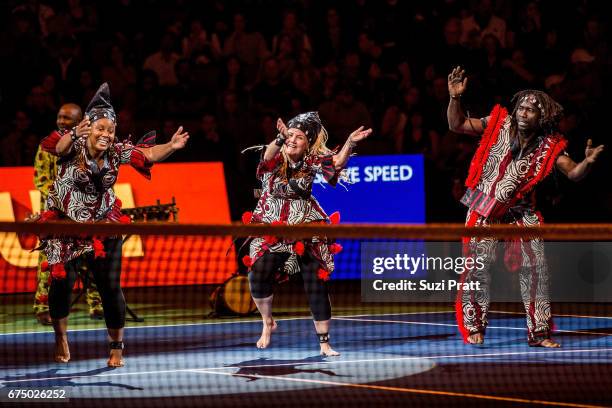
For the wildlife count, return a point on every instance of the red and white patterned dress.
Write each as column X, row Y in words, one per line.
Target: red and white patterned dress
column 82, row 192
column 289, row 201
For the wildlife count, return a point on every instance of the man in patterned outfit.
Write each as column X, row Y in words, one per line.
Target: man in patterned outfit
column 516, row 152
column 45, row 171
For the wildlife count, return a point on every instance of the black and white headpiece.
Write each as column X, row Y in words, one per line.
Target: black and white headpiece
column 309, row 123
column 100, row 105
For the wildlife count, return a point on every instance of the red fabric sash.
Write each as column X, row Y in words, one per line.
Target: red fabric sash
column 489, row 138
column 559, row 145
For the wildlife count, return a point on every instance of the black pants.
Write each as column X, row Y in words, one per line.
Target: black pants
column 262, row 282
column 107, row 275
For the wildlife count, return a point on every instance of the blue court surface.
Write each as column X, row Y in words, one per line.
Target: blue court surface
column 407, row 359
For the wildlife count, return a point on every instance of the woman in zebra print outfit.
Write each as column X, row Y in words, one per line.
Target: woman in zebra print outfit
column 287, row 171
column 516, row 152
column 88, row 166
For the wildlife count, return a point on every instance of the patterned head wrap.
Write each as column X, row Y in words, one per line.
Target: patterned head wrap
column 550, row 111
column 100, row 105
column 309, row 123
column 531, row 98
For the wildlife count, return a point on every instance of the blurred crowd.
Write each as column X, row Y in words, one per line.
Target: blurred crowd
column 226, row 70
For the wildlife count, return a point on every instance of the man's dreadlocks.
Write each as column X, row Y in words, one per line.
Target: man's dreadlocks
column 550, row 111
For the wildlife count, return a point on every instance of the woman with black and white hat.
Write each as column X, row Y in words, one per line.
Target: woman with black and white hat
column 88, row 166
column 287, row 170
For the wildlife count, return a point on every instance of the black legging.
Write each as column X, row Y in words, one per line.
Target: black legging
column 262, row 281
column 107, row 275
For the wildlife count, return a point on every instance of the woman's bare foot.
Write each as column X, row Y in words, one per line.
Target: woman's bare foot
column 328, row 351
column 116, row 358
column 269, row 325
column 547, row 343
column 475, row 338
column 62, row 351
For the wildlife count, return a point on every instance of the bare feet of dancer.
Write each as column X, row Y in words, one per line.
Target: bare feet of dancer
column 116, row 354
column 547, row 343
column 328, row 351
column 264, row 305
column 322, row 329
column 62, row 351
column 269, row 326
column 115, row 337
column 476, row 338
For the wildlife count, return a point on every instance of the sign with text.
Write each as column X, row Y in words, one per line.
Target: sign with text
column 201, row 196
column 382, row 189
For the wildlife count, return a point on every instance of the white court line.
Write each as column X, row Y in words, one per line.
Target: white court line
column 330, row 362
column 558, row 315
column 400, row 313
column 280, row 320
column 490, row 311
column 255, row 319
column 163, row 325
column 455, row 325
column 421, row 391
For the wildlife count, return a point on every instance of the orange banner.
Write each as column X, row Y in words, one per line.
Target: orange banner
column 200, row 193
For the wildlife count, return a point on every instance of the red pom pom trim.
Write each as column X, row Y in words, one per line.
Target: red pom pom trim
column 44, row 266
column 247, row 261
column 42, row 299
column 246, row 217
column 98, row 248
column 125, row 219
column 270, row 239
column 299, row 248
column 335, row 248
column 323, row 274
column 335, row 218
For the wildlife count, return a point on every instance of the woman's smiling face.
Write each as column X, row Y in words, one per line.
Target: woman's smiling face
column 102, row 134
column 296, row 144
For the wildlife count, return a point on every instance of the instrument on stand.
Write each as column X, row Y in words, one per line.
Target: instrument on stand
column 150, row 213
column 232, row 297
